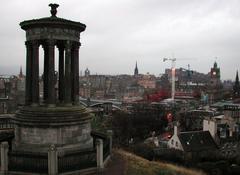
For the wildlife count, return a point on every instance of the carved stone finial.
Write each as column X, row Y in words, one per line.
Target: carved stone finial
column 53, row 9
column 52, row 148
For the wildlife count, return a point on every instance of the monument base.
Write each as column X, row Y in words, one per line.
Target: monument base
column 36, row 128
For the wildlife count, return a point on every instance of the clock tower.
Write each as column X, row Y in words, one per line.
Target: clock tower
column 215, row 88
column 215, row 75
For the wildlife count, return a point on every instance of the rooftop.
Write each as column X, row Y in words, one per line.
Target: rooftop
column 194, row 141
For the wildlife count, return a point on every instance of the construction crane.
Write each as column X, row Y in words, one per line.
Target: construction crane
column 173, row 60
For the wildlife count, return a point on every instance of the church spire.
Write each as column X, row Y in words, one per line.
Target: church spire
column 237, row 79
column 20, row 73
column 236, row 87
column 136, row 70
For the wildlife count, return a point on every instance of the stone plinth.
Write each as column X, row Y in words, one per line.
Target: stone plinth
column 38, row 127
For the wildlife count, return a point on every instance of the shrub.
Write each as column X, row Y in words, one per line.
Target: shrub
column 143, row 150
column 169, row 155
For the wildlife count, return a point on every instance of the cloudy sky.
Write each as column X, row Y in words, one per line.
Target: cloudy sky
column 121, row 32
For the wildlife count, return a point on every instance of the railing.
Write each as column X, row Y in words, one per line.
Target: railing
column 77, row 160
column 55, row 161
column 26, row 162
column 107, row 142
column 5, row 122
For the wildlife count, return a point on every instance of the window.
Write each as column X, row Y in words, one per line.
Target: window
column 176, row 144
column 172, row 142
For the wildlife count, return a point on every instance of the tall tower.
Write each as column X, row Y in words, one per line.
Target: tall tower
column 87, row 73
column 236, row 87
column 136, row 70
column 215, row 75
column 215, row 87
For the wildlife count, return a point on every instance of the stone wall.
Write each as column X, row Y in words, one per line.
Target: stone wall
column 66, row 136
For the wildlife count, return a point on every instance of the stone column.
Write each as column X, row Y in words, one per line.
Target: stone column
column 68, row 80
column 61, row 73
column 45, row 73
column 110, row 133
column 35, row 73
column 4, row 158
column 51, row 74
column 28, row 81
column 99, row 145
column 52, row 160
column 72, row 72
column 75, row 73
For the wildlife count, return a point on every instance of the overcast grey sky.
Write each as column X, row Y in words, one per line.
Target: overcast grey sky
column 121, row 32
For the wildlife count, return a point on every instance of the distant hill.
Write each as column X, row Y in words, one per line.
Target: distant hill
column 125, row 163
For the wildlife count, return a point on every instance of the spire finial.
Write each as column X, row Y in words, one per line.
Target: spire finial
column 237, row 78
column 53, row 9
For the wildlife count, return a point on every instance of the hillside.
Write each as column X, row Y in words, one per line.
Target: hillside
column 125, row 163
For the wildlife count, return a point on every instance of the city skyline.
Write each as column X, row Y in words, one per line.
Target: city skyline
column 120, row 33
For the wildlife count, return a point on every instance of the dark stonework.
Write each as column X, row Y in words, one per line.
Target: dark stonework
column 56, row 33
column 61, row 73
column 45, row 74
column 59, row 119
column 75, row 73
column 51, row 75
column 28, row 95
column 50, row 32
column 35, row 72
column 53, row 9
column 63, row 126
column 68, row 79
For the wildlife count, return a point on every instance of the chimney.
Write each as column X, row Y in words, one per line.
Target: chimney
column 211, row 126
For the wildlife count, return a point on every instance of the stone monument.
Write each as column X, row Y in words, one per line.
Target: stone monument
column 59, row 119
column 52, row 132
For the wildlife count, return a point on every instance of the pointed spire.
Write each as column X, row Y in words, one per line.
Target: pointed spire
column 236, row 87
column 136, row 70
column 237, row 79
column 20, row 73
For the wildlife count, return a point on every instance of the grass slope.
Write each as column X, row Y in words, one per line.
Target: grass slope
column 135, row 165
